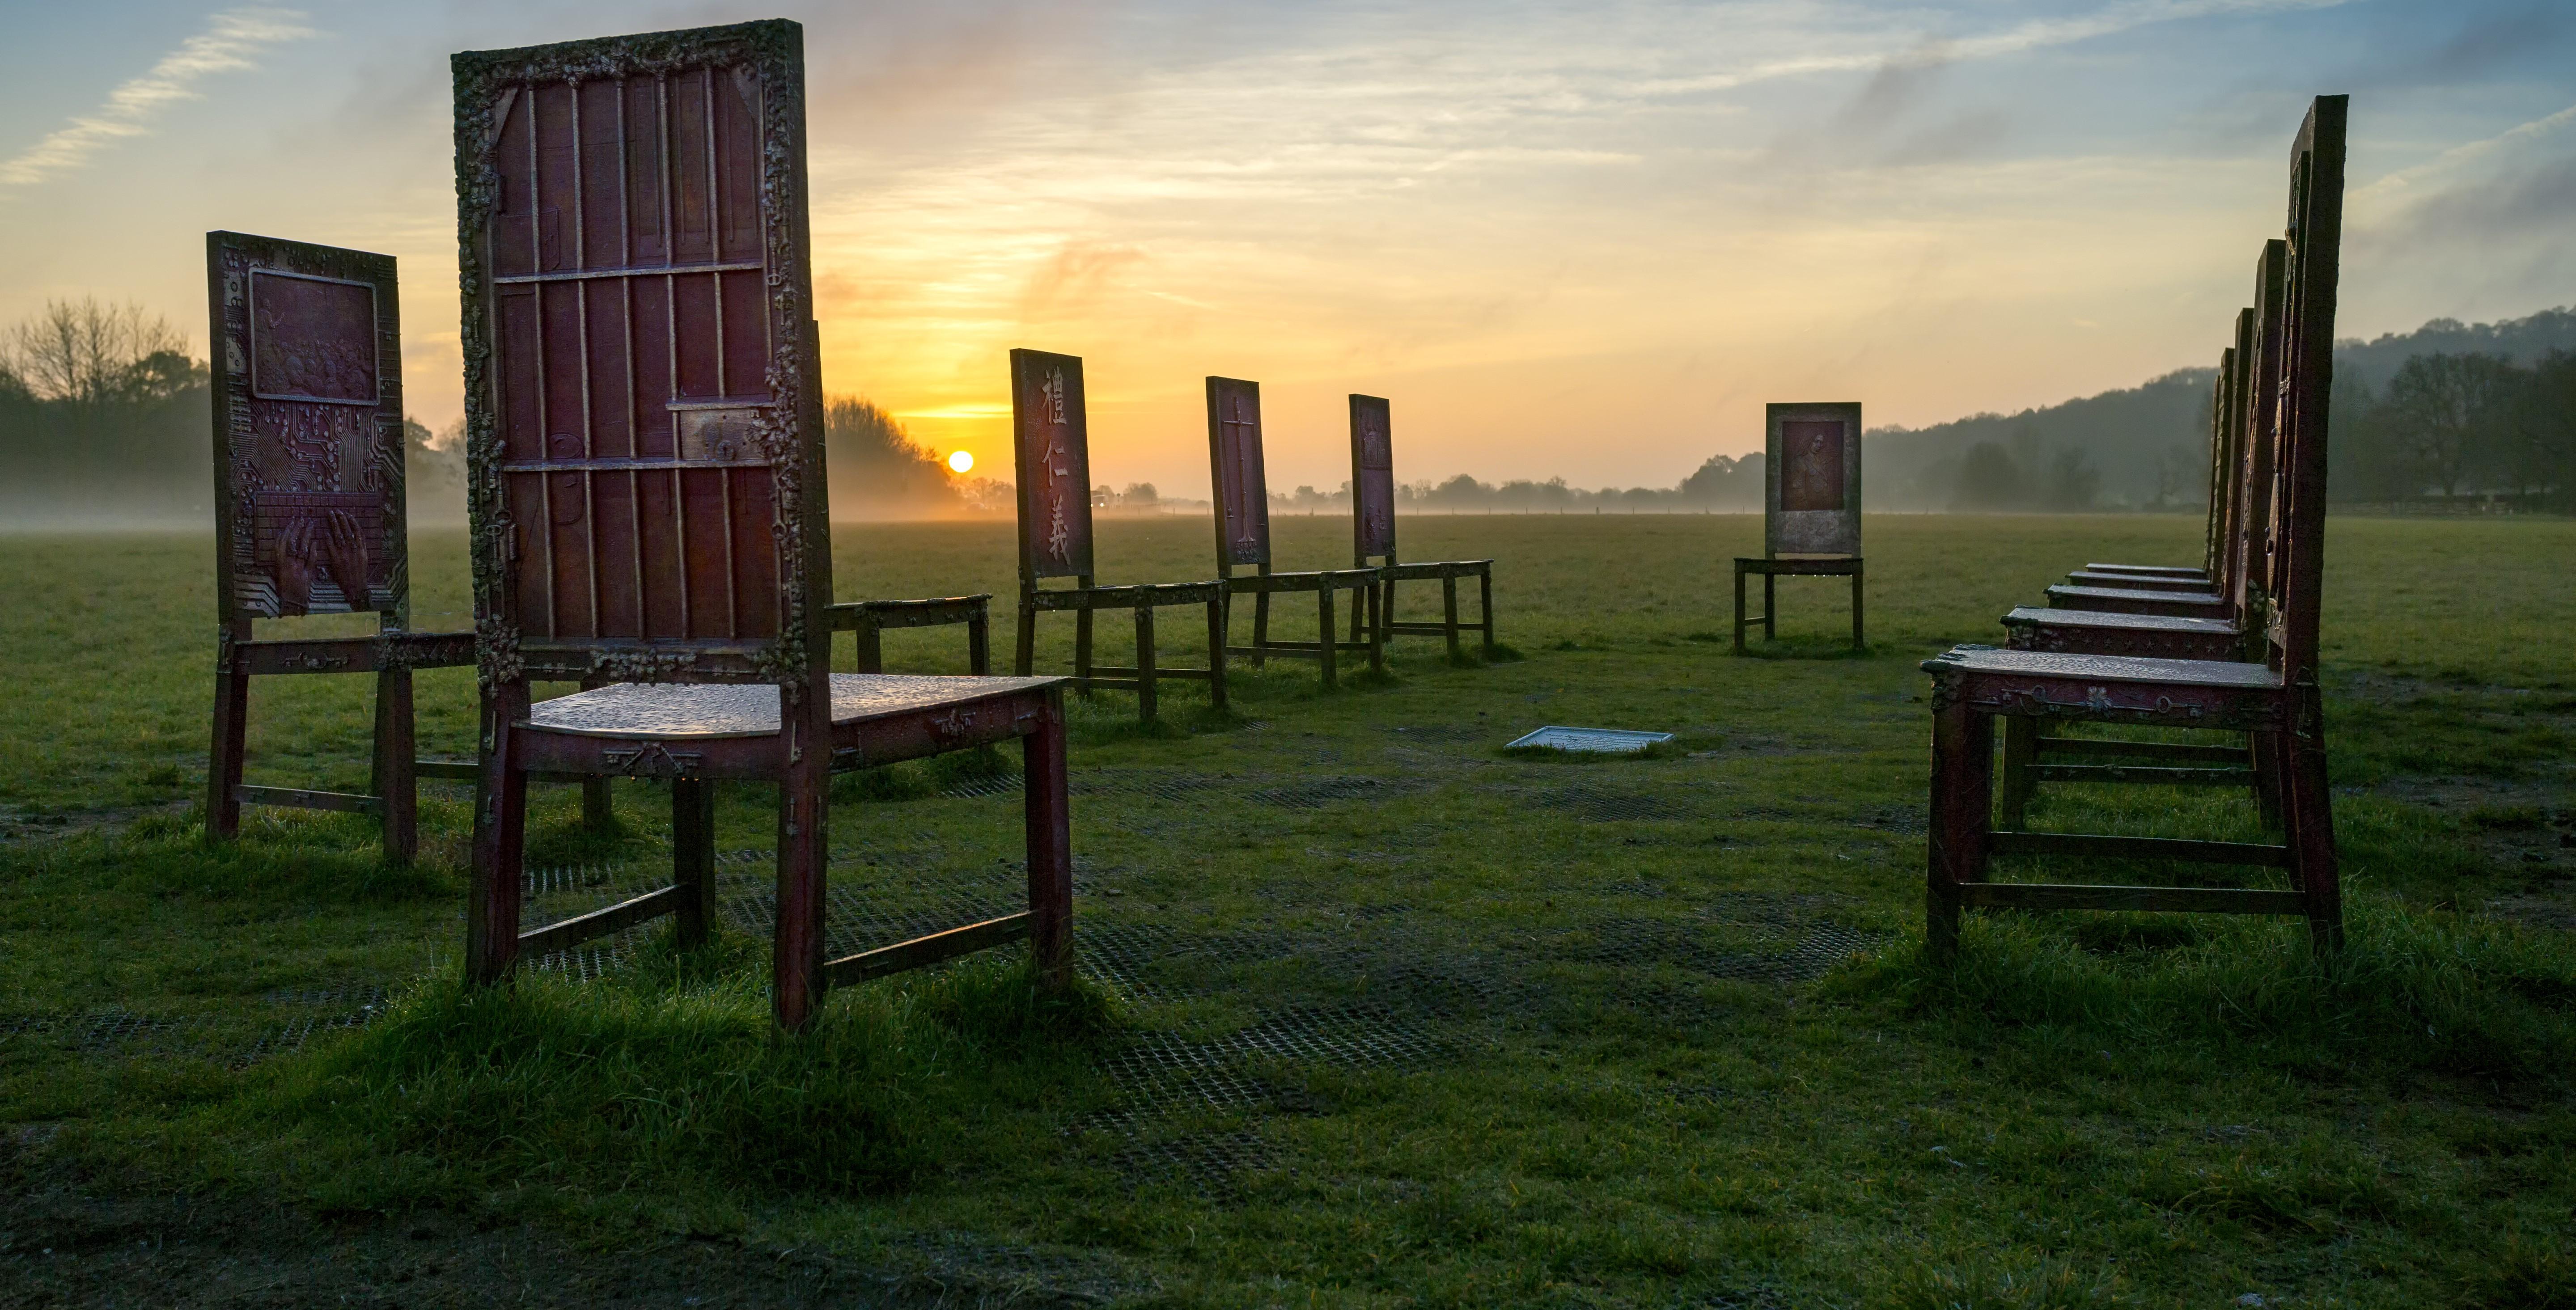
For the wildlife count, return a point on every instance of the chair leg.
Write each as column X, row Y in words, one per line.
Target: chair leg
column 1146, row 707
column 598, row 814
column 693, row 858
column 224, row 762
column 2263, row 751
column 1485, row 599
column 979, row 645
column 796, row 948
column 871, row 644
column 1082, row 651
column 1770, row 607
column 1324, row 650
column 1376, row 632
column 1261, row 630
column 1024, row 639
column 1449, row 616
column 1739, row 609
column 1963, row 747
column 2021, row 750
column 500, row 842
column 394, row 786
column 1049, row 817
column 1216, row 654
column 1859, row 642
column 2309, row 820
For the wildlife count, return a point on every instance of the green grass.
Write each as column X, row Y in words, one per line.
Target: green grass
column 1379, row 1014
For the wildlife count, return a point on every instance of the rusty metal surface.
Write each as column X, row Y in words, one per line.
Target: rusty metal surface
column 1235, row 471
column 638, row 343
column 1812, row 478
column 308, row 441
column 1051, row 441
column 738, row 710
column 1372, row 478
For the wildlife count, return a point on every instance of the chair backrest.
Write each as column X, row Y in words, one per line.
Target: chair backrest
column 2259, row 366
column 2311, row 268
column 1811, row 479
column 1234, row 468
column 2229, row 465
column 642, row 399
column 1372, row 480
column 1051, row 444
column 2213, row 554
column 308, row 431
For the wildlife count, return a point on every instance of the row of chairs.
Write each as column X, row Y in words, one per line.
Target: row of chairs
column 1052, row 439
column 2227, row 646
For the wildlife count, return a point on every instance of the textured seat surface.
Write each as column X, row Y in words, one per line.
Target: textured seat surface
column 635, row 709
column 2151, row 570
column 2027, row 614
column 2209, row 598
column 2103, row 668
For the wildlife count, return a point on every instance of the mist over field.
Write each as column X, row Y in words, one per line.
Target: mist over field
column 103, row 424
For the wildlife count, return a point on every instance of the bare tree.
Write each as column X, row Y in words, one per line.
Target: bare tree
column 94, row 354
column 2440, row 408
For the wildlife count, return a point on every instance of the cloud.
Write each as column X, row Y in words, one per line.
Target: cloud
column 227, row 44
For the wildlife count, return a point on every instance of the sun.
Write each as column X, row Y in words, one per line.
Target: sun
column 961, row 461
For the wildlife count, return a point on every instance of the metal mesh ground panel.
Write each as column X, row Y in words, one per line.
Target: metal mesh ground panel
column 1316, row 793
column 1123, row 955
column 1905, row 819
column 1162, row 784
column 110, row 1029
column 28, row 1025
column 1448, row 734
column 999, row 784
column 1211, row 1164
column 297, row 1032
column 1595, row 805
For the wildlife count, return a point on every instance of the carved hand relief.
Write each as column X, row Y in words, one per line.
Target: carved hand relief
column 317, row 548
column 1811, row 465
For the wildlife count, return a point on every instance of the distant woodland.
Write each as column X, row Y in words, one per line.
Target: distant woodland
column 103, row 419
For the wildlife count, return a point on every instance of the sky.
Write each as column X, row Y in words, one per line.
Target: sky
column 1581, row 239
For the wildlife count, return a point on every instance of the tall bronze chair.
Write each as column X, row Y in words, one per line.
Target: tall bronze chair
column 308, row 442
column 643, row 410
column 1242, row 517
column 1373, row 543
column 1051, row 440
column 2277, row 701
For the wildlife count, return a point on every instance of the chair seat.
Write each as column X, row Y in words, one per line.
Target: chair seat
column 1433, row 570
column 2064, row 618
column 710, row 710
column 2135, row 581
column 2226, row 675
column 2151, row 570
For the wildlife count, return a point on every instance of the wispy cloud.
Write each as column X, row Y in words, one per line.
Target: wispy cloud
column 227, row 45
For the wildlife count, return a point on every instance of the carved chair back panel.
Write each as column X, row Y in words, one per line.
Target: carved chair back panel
column 2313, row 249
column 1051, row 447
column 1234, row 468
column 1812, row 479
column 308, row 429
column 639, row 334
column 1372, row 477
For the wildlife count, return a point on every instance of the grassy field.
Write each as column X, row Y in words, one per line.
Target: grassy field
column 1376, row 1015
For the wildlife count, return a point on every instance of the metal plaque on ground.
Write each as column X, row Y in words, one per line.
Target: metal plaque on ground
column 1606, row 741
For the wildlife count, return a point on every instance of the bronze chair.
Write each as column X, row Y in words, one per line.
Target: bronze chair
column 1052, row 441
column 309, row 510
column 1243, row 540
column 2278, row 700
column 1373, row 544
column 643, row 407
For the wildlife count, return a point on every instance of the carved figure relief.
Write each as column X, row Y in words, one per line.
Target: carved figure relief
column 1057, row 467
column 1811, row 468
column 1373, row 482
column 312, row 338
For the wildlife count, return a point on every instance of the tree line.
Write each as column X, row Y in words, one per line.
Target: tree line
column 104, row 415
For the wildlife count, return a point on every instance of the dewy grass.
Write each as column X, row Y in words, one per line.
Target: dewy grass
column 1398, row 1020
column 672, row 1076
